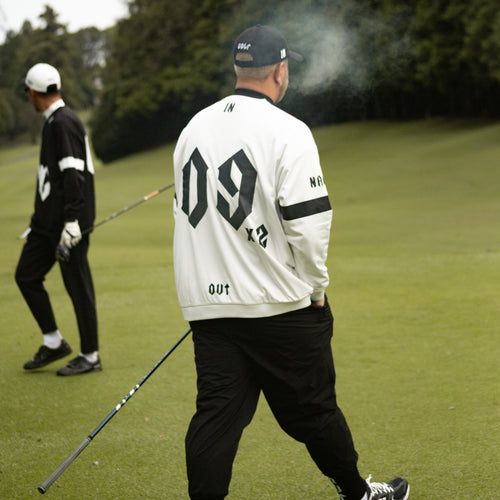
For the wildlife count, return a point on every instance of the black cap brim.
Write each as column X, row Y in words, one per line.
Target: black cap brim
column 295, row 56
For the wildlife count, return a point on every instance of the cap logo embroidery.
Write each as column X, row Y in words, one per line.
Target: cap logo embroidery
column 283, row 53
column 244, row 46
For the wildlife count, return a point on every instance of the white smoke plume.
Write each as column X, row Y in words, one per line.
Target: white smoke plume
column 328, row 52
column 336, row 45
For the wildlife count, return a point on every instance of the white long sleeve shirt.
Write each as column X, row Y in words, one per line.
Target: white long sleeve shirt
column 252, row 215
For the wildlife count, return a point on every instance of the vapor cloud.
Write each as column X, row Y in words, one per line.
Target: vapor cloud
column 339, row 51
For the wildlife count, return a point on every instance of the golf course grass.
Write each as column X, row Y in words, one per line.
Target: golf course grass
column 415, row 287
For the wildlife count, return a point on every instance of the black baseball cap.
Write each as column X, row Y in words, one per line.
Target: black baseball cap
column 261, row 46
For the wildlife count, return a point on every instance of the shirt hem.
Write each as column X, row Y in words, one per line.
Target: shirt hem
column 213, row 311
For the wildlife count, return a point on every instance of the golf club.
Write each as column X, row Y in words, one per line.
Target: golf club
column 63, row 252
column 55, row 475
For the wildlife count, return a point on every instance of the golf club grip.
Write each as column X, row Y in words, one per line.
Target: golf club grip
column 53, row 477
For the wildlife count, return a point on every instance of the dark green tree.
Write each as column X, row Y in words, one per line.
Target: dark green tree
column 79, row 58
column 457, row 55
column 363, row 59
column 481, row 53
column 164, row 65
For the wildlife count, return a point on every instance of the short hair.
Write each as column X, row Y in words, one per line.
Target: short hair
column 260, row 73
column 52, row 90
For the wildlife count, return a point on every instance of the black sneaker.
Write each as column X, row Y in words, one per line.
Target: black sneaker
column 45, row 355
column 80, row 365
column 396, row 489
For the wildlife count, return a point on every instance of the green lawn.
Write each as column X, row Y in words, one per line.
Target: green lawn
column 415, row 272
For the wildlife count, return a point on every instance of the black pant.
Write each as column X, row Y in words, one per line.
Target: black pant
column 289, row 358
column 37, row 259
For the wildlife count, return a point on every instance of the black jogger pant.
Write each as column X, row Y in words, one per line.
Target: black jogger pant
column 289, row 358
column 37, row 259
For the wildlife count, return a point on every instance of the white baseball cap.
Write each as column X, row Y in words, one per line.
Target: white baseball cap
column 43, row 78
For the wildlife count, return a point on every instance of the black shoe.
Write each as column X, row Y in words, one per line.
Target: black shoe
column 396, row 489
column 80, row 365
column 45, row 355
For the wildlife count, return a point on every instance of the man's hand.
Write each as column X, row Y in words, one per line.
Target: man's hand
column 318, row 303
column 62, row 253
column 71, row 234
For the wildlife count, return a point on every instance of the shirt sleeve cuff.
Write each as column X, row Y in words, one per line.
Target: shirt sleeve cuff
column 317, row 295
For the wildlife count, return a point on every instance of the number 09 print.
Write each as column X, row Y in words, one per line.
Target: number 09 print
column 245, row 190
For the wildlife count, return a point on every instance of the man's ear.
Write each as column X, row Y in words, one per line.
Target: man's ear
column 279, row 73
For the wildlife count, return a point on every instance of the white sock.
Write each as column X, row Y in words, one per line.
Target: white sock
column 52, row 340
column 91, row 357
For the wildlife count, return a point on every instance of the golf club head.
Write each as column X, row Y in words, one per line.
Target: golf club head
column 62, row 253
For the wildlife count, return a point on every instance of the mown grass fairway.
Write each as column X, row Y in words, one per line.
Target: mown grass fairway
column 415, row 273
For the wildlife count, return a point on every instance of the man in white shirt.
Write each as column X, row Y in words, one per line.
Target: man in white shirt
column 251, row 239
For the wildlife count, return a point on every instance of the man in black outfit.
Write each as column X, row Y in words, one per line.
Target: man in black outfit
column 64, row 205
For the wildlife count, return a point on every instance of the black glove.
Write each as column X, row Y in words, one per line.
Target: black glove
column 62, row 253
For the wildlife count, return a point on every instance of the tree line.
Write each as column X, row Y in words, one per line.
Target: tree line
column 78, row 56
column 364, row 59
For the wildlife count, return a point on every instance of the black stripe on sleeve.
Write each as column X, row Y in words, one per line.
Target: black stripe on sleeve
column 306, row 208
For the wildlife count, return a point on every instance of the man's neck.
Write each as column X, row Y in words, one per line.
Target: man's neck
column 252, row 93
column 55, row 104
column 266, row 87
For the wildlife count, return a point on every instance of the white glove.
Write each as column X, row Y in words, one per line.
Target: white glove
column 71, row 234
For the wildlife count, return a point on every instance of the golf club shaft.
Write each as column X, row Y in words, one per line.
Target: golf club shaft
column 112, row 216
column 126, row 209
column 64, row 465
column 63, row 251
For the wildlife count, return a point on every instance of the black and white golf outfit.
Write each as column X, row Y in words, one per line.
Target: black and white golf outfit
column 251, row 238
column 65, row 192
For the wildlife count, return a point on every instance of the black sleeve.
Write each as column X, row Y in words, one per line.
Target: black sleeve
column 71, row 158
column 73, row 181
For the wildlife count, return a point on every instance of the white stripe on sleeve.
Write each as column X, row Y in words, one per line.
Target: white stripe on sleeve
column 90, row 163
column 70, row 162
